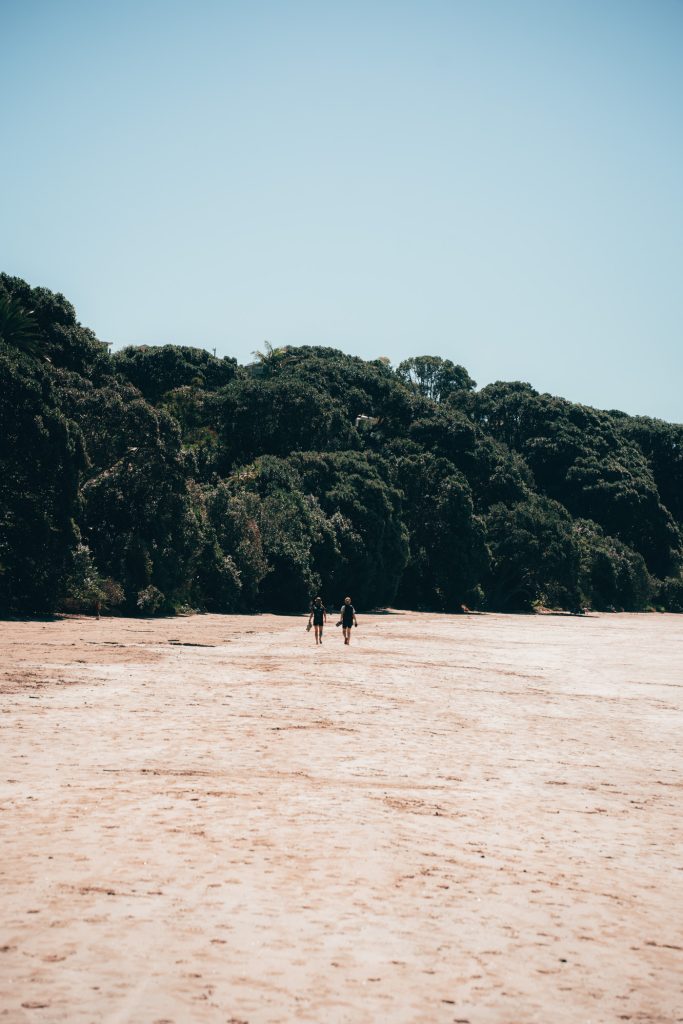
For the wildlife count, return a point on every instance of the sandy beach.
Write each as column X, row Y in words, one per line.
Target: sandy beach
column 455, row 819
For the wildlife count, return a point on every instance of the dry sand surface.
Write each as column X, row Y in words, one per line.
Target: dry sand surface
column 472, row 818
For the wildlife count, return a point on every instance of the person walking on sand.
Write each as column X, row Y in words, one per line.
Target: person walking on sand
column 347, row 619
column 318, row 617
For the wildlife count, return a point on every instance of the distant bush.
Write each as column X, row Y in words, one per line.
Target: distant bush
column 112, row 594
column 150, row 601
column 85, row 590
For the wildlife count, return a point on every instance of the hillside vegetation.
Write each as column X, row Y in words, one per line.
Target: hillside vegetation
column 160, row 479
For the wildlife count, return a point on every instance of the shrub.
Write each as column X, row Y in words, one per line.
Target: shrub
column 150, row 601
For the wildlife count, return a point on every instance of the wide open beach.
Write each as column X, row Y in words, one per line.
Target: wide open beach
column 471, row 818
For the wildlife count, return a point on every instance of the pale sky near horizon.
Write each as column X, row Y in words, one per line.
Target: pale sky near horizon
column 499, row 183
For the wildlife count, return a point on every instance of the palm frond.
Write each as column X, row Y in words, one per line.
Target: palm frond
column 18, row 326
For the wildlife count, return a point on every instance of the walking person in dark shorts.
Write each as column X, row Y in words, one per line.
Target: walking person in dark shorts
column 318, row 617
column 347, row 619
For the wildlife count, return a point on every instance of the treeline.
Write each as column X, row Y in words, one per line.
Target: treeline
column 162, row 479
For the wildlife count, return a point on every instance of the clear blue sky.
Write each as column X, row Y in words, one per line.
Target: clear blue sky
column 496, row 182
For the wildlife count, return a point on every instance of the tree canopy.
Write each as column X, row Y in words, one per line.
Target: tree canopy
column 161, row 478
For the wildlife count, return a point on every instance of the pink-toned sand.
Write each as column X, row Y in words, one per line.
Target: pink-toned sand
column 472, row 818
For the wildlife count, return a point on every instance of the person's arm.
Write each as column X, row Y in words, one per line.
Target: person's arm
column 355, row 620
column 310, row 617
column 324, row 615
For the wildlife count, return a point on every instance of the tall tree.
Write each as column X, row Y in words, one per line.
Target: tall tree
column 433, row 377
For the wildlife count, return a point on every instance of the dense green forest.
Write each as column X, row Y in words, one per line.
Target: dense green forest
column 162, row 479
